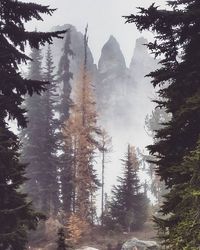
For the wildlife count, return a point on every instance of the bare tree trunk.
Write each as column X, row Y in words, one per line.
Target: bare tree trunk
column 102, row 190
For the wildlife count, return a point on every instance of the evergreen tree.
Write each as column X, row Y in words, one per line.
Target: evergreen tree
column 71, row 137
column 61, row 240
column 66, row 172
column 76, row 228
column 16, row 213
column 40, row 138
column 186, row 233
column 82, row 129
column 32, row 135
column 177, row 40
column 128, row 207
column 65, row 76
column 49, row 182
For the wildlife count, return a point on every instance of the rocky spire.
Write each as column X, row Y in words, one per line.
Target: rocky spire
column 142, row 62
column 111, row 58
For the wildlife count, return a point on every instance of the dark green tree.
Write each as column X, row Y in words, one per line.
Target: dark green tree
column 61, row 240
column 16, row 213
column 40, row 138
column 128, row 207
column 186, row 233
column 66, row 171
column 65, row 76
column 177, row 41
column 32, row 135
column 49, row 184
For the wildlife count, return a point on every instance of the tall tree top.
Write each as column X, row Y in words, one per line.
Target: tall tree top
column 13, row 40
column 49, row 67
column 16, row 214
column 177, row 40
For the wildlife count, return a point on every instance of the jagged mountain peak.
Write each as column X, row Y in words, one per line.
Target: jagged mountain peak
column 112, row 39
column 141, row 43
column 112, row 57
column 142, row 62
column 140, row 52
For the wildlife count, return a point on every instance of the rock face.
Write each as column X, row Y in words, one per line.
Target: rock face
column 112, row 59
column 123, row 93
column 135, row 244
column 112, row 85
column 141, row 63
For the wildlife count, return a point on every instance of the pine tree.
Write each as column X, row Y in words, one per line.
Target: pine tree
column 61, row 240
column 85, row 145
column 65, row 76
column 76, row 228
column 186, row 233
column 40, row 138
column 177, row 40
column 50, row 184
column 71, row 132
column 32, row 136
column 128, row 207
column 82, row 129
column 16, row 213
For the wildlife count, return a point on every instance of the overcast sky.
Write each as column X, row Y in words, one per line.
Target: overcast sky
column 104, row 18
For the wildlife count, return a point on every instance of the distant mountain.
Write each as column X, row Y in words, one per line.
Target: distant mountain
column 112, row 86
column 123, row 93
column 141, row 63
column 112, row 59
